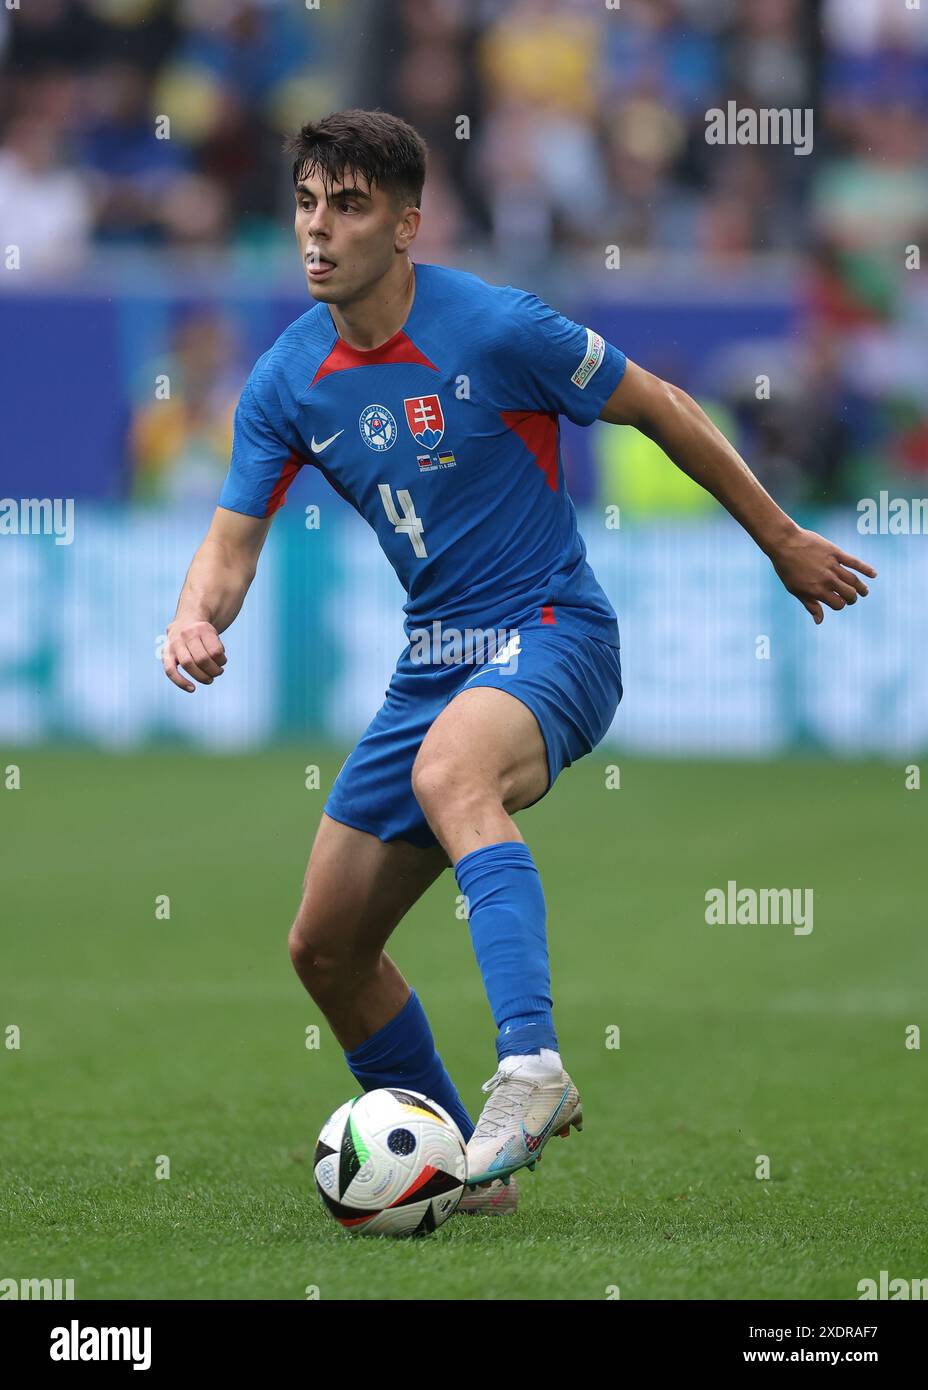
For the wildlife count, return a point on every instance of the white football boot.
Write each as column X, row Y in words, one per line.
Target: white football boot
column 531, row 1098
column 494, row 1199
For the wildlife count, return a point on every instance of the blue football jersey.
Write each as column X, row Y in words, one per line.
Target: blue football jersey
column 446, row 440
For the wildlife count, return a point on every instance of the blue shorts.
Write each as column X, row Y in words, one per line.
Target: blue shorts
column 572, row 684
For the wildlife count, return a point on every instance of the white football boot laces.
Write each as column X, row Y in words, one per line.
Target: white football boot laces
column 529, row 1101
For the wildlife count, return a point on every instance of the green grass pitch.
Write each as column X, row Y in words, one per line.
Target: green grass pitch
column 187, row 1037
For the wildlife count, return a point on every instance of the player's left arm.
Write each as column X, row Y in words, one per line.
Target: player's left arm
column 811, row 567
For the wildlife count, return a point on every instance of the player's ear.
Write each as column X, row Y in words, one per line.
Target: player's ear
column 410, row 218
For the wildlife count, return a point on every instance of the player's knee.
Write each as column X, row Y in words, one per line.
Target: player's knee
column 430, row 783
column 301, row 948
column 443, row 787
column 316, row 957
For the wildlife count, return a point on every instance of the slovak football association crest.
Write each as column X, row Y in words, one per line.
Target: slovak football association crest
column 425, row 419
column 378, row 428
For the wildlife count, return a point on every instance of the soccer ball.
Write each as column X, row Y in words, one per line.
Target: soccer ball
column 390, row 1163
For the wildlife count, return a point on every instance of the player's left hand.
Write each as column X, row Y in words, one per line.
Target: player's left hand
column 817, row 571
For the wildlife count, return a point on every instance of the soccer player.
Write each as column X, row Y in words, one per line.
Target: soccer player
column 430, row 401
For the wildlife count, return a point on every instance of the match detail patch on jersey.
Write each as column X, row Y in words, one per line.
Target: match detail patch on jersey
column 593, row 360
column 429, row 462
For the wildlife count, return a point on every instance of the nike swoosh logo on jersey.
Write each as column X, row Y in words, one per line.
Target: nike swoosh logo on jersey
column 318, row 448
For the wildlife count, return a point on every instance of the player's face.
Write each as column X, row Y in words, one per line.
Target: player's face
column 349, row 238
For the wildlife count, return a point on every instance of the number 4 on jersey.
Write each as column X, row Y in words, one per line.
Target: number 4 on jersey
column 408, row 523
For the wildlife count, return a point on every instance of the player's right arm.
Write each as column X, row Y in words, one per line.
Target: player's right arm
column 264, row 462
column 214, row 590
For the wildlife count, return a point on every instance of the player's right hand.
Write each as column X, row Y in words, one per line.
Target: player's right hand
column 194, row 647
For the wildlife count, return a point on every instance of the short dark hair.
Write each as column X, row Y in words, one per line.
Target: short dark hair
column 384, row 148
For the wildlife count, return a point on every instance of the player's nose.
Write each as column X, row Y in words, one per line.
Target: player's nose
column 316, row 227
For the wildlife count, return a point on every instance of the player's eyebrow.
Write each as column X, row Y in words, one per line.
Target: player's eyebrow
column 351, row 191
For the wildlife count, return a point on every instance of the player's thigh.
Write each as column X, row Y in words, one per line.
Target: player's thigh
column 485, row 741
column 357, row 888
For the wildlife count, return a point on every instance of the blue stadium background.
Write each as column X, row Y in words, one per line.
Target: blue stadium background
column 557, row 131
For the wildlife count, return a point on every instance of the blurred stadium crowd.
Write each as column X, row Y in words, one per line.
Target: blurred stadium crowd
column 587, row 128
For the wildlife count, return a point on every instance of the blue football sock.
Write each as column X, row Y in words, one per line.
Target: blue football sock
column 402, row 1053
column 506, row 912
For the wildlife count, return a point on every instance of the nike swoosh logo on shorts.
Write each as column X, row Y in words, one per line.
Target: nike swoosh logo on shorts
column 318, row 448
column 481, row 672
